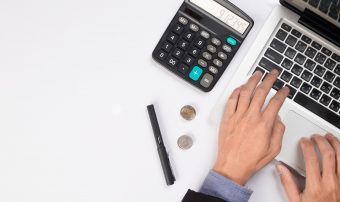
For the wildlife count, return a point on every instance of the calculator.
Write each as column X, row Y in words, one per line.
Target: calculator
column 201, row 41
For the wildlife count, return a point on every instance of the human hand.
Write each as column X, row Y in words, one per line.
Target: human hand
column 320, row 186
column 250, row 138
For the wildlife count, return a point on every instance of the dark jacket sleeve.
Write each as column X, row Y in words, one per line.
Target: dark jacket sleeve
column 192, row 196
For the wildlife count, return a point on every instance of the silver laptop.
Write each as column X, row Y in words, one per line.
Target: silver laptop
column 301, row 39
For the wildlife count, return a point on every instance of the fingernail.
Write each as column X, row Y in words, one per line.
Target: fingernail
column 257, row 73
column 275, row 72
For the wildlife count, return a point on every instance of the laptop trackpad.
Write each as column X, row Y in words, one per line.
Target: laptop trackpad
column 296, row 127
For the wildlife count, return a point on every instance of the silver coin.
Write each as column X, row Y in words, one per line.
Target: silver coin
column 188, row 112
column 185, row 142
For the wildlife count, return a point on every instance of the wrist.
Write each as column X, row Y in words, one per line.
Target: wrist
column 235, row 175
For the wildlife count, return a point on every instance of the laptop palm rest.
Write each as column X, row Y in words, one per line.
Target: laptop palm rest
column 296, row 127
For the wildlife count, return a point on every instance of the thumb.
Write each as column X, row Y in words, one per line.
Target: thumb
column 288, row 183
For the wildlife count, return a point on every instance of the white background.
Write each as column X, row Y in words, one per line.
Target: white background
column 75, row 79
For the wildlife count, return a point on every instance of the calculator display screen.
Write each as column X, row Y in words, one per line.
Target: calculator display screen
column 223, row 14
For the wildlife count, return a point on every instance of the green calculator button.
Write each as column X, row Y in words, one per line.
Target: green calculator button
column 196, row 73
column 231, row 41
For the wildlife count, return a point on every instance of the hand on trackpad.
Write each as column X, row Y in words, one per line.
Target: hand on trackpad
column 296, row 127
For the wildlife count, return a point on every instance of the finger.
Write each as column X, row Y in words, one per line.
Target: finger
column 288, row 183
column 232, row 103
column 311, row 161
column 263, row 89
column 275, row 105
column 247, row 91
column 327, row 154
column 336, row 146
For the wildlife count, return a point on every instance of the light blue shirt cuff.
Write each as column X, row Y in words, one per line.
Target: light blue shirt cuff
column 218, row 186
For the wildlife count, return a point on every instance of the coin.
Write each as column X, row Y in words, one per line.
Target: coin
column 185, row 142
column 188, row 112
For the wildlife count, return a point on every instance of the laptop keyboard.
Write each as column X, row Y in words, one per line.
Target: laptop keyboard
column 310, row 70
column 329, row 7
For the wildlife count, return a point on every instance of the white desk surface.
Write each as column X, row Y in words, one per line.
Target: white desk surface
column 75, row 79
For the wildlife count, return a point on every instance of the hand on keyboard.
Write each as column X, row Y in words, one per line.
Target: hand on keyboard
column 250, row 138
column 320, row 186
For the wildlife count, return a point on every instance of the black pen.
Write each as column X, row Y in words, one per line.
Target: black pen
column 163, row 155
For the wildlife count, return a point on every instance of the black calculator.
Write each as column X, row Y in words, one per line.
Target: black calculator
column 201, row 41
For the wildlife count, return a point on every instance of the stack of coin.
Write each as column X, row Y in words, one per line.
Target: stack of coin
column 185, row 142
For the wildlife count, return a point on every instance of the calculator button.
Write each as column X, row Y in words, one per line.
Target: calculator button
column 195, row 73
column 194, row 51
column 226, row 48
column 194, row 27
column 167, row 46
column 178, row 29
column 206, row 80
column 207, row 55
column 205, row 34
column 183, row 20
column 162, row 55
column 172, row 37
column 183, row 69
column 172, row 62
column 188, row 60
column 218, row 63
column 202, row 63
column 231, row 41
column 211, row 48
column 216, row 42
column 178, row 53
column 199, row 43
column 213, row 69
column 189, row 36
column 222, row 55
column 184, row 45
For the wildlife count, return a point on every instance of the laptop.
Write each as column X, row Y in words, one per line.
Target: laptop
column 301, row 40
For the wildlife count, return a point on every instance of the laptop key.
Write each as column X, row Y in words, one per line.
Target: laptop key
column 310, row 52
column 281, row 34
column 278, row 45
column 326, row 87
column 286, row 27
column 296, row 82
column 330, row 64
column 337, row 82
column 291, row 40
column 296, row 33
column 326, row 51
column 310, row 65
column 324, row 6
column 268, row 65
column 306, row 88
column 300, row 59
column 334, row 11
column 274, row 56
column 316, row 45
column 335, row 106
column 325, row 100
column 319, row 71
column 300, row 46
column 315, row 94
column 278, row 84
column 317, row 109
column 306, row 39
column 290, row 53
column 335, row 93
column 287, row 64
column 314, row 3
column 297, row 70
column 329, row 76
column 286, row 76
column 337, row 70
column 292, row 92
column 336, row 57
column 320, row 58
column 306, row 75
column 316, row 81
